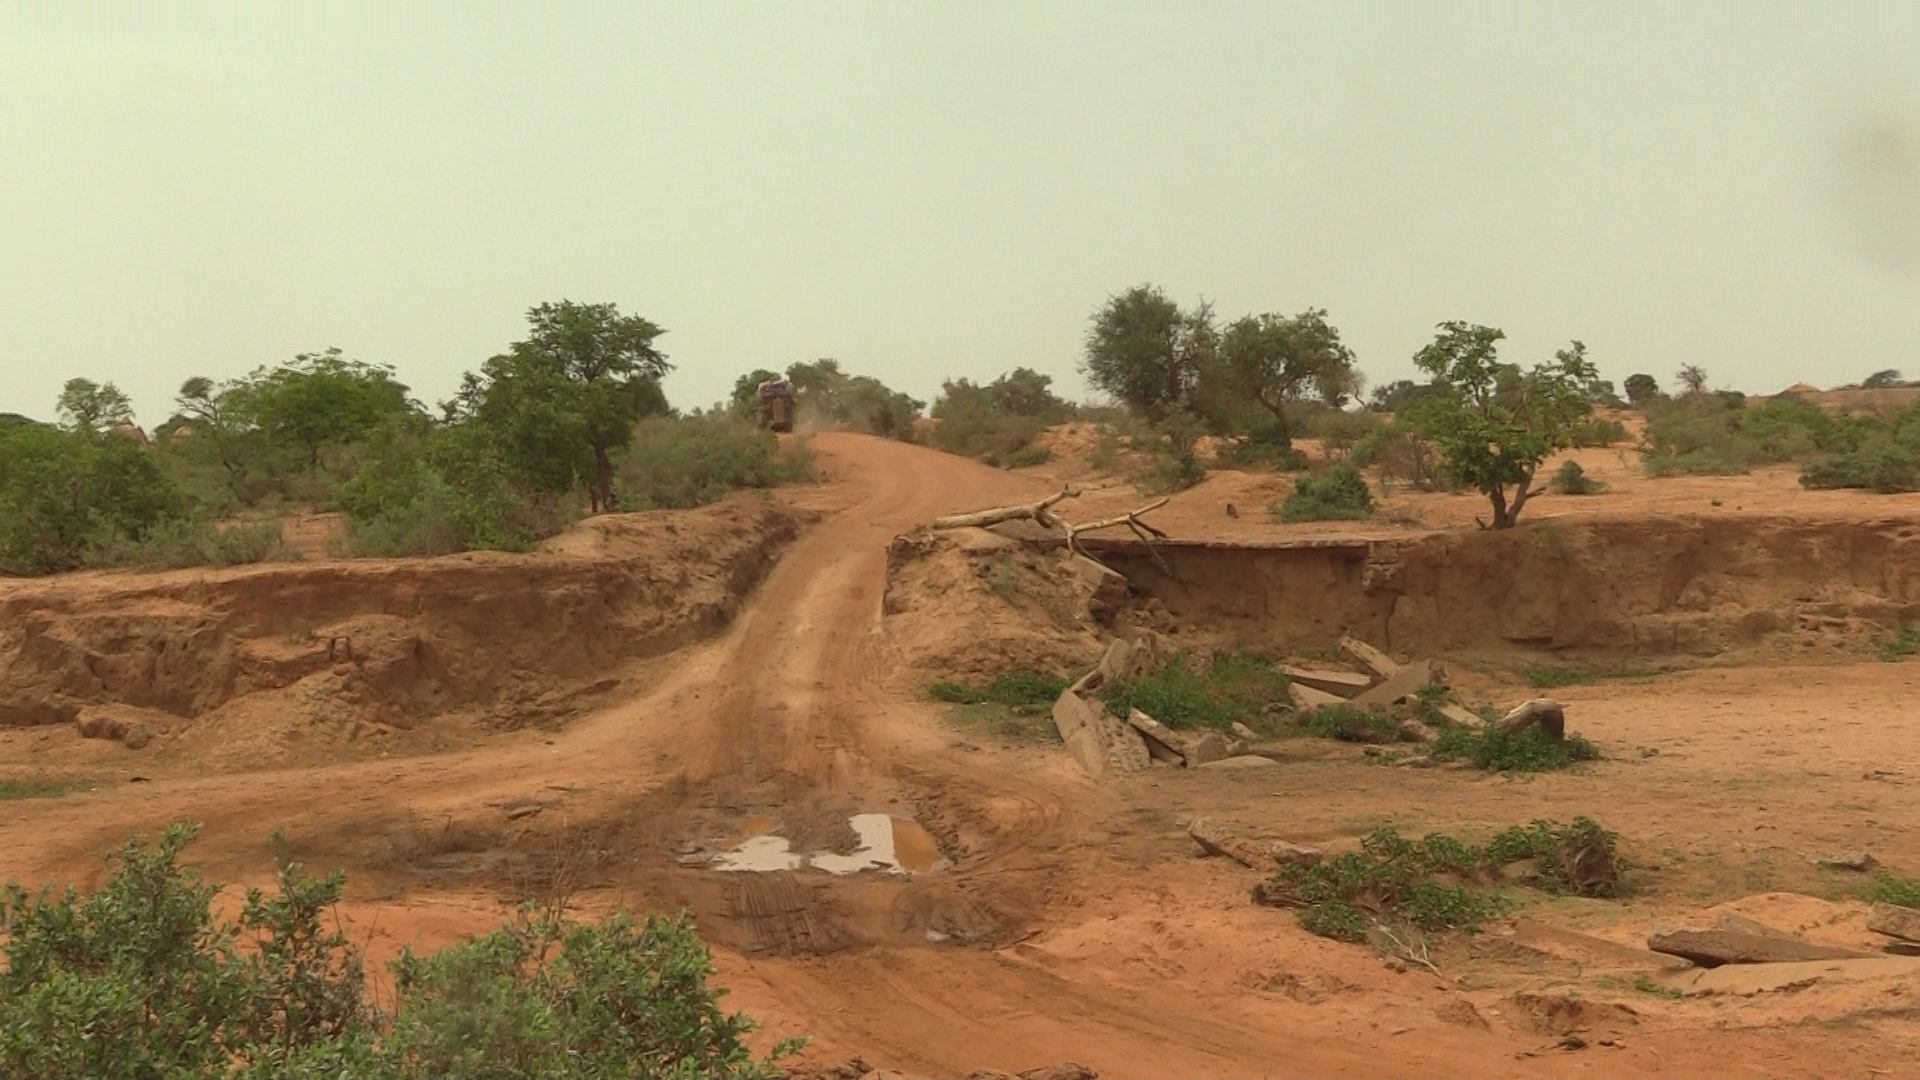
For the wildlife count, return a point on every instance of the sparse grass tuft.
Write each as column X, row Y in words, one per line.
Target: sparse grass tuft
column 1547, row 676
column 36, row 787
column 1015, row 705
column 1495, row 751
column 1902, row 645
column 1887, row 889
column 1643, row 983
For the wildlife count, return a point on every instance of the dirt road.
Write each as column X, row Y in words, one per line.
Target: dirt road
column 1074, row 924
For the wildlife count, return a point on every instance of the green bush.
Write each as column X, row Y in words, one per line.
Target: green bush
column 1027, row 457
column 1013, row 688
column 1571, row 479
column 193, row 541
column 1598, row 431
column 1880, row 465
column 1337, row 493
column 443, row 491
column 142, row 979
column 1402, row 456
column 63, row 495
column 1719, row 434
column 1183, row 694
column 680, row 463
column 1579, row 859
column 1172, row 469
column 1901, row 645
column 1530, row 750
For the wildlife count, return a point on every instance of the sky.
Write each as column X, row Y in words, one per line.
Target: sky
column 928, row 191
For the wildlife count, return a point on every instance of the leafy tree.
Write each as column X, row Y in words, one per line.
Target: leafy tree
column 1276, row 360
column 1145, row 352
column 1026, row 392
column 745, row 399
column 1881, row 380
column 1692, row 379
column 89, row 407
column 566, row 398
column 1396, row 396
column 1493, row 423
column 64, row 493
column 1641, row 389
column 823, row 390
column 318, row 401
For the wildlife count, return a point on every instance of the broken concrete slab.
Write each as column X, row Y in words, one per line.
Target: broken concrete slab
column 1894, row 921
column 1215, row 839
column 1857, row 861
column 1369, row 658
column 1285, row 854
column 1109, row 588
column 1241, row 761
column 1745, row 980
column 1549, row 714
column 1245, row 733
column 1404, row 684
column 1111, row 668
column 1713, row 948
column 1342, row 684
column 1459, row 714
column 1208, row 747
column 1163, row 743
column 1306, row 697
column 1097, row 741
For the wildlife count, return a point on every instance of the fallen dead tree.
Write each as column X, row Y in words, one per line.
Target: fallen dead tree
column 1041, row 513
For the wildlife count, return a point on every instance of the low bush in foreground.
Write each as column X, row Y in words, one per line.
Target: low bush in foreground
column 1902, row 645
column 1571, row 479
column 1437, row 883
column 1350, row 723
column 143, row 979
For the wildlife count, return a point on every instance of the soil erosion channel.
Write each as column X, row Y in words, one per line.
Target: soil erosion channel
column 788, row 725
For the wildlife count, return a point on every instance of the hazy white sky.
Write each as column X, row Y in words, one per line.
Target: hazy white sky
column 933, row 190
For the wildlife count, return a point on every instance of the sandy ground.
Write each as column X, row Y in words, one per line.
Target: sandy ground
column 1077, row 922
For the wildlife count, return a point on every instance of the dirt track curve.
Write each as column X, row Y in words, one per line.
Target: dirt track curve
column 789, row 718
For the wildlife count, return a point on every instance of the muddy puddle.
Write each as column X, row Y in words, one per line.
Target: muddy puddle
column 887, row 844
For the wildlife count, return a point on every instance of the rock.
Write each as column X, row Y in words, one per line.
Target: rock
column 1209, row 747
column 1901, row 948
column 1163, row 744
column 1459, row 714
column 1064, row 1071
column 527, row 811
column 1077, row 721
column 1341, row 684
column 1858, row 861
column 1242, row 761
column 1418, row 761
column 1109, row 595
column 1306, row 697
column 1285, row 854
column 1746, row 980
column 1215, row 840
column 1546, row 712
column 1380, row 664
column 1461, row 1013
column 136, row 738
column 1112, row 668
column 1404, row 684
column 1712, row 948
column 1246, row 733
column 1415, row 731
column 1894, row 921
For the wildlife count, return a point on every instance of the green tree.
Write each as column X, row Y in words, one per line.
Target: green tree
column 319, row 401
column 1641, row 389
column 1881, row 380
column 744, row 402
column 64, row 493
column 1277, row 360
column 90, row 408
column 1026, row 392
column 1493, row 423
column 566, row 399
column 1146, row 353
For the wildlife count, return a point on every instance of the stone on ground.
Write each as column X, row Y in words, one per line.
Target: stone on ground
column 1712, row 948
column 1306, row 697
column 1404, row 684
column 1894, row 921
column 1342, row 684
column 1380, row 664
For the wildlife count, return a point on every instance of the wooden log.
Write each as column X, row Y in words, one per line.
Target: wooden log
column 1546, row 712
column 982, row 518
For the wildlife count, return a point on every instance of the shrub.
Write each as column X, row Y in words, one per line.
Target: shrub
column 192, row 541
column 1338, row 493
column 1014, row 688
column 1402, row 456
column 1902, row 645
column 1880, row 465
column 1887, row 889
column 141, row 979
column 1597, row 431
column 420, row 493
column 1577, row 859
column 1029, row 456
column 676, row 464
column 1105, row 452
column 64, row 494
column 1173, row 468
column 1571, row 479
column 1183, row 694
column 1528, row 751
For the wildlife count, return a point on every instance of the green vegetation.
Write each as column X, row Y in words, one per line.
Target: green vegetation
column 1492, row 423
column 1348, row 722
column 680, row 463
column 143, row 979
column 1645, row 984
column 1014, row 705
column 1571, row 479
column 1887, row 889
column 1902, row 645
column 1437, row 883
column 1721, row 434
column 1336, row 493
column 999, row 421
column 1548, row 676
column 1186, row 693
column 1529, row 751
column 1597, row 431
column 36, row 787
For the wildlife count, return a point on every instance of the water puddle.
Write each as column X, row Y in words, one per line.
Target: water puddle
column 887, row 844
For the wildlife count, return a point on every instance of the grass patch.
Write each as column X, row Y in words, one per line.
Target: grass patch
column 1438, row 883
column 1645, row 984
column 1902, row 645
column 1348, row 722
column 1547, row 676
column 1529, row 751
column 1887, row 889
column 37, row 787
column 1184, row 694
column 1337, row 493
column 1016, row 705
column 1028, row 456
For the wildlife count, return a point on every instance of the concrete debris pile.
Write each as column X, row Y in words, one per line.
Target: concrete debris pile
column 1741, row 957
